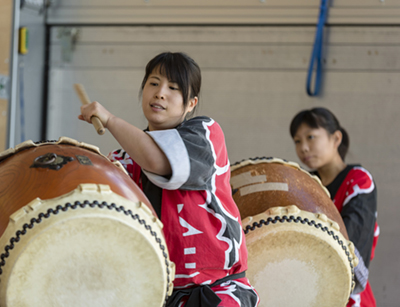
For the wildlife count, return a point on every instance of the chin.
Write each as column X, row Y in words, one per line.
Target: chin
column 310, row 166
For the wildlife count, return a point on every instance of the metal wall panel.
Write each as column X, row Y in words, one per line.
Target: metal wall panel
column 30, row 76
column 222, row 12
column 253, row 84
column 26, row 71
column 5, row 39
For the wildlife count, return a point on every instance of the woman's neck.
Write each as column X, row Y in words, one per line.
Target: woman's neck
column 328, row 172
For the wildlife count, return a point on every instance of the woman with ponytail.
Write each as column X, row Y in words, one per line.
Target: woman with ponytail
column 321, row 144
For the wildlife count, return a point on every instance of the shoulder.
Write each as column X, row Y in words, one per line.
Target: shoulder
column 202, row 124
column 357, row 182
column 361, row 178
column 198, row 120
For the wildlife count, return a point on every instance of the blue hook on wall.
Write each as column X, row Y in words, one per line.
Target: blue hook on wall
column 316, row 55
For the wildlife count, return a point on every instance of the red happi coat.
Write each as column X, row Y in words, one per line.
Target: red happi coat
column 202, row 225
column 354, row 194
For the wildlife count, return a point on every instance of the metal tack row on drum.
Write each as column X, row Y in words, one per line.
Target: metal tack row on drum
column 68, row 219
column 299, row 253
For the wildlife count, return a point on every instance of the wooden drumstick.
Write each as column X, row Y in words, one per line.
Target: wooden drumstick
column 80, row 90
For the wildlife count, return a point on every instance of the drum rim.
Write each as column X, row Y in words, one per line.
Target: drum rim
column 45, row 213
column 293, row 214
column 259, row 160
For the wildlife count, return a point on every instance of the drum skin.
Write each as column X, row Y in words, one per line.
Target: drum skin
column 21, row 181
column 258, row 185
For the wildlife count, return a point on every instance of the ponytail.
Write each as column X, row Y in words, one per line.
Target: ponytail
column 344, row 145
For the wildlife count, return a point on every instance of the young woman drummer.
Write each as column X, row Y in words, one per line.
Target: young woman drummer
column 183, row 168
column 321, row 144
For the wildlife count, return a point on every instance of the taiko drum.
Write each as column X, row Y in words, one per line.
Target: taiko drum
column 75, row 230
column 299, row 253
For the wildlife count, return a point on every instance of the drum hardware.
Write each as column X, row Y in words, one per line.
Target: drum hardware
column 51, row 161
column 84, row 160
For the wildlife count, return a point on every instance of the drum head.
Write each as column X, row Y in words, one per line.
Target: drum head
column 296, row 264
column 71, row 253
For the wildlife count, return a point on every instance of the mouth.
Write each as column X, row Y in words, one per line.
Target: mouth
column 157, row 106
column 306, row 159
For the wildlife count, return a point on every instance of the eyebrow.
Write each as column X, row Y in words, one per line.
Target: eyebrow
column 158, row 78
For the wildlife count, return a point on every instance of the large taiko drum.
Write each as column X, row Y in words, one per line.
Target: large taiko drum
column 80, row 232
column 299, row 252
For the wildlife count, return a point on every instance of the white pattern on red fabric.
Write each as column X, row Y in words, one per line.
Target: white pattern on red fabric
column 366, row 187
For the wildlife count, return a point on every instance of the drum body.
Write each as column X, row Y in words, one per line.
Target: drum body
column 76, row 231
column 299, row 253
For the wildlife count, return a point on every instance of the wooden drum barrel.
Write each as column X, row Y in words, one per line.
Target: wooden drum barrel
column 299, row 253
column 75, row 230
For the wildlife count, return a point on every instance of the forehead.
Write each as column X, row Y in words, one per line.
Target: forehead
column 157, row 74
column 164, row 71
column 305, row 129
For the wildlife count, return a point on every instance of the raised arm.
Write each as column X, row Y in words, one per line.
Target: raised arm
column 137, row 143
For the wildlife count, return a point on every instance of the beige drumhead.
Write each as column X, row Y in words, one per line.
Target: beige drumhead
column 90, row 247
column 297, row 258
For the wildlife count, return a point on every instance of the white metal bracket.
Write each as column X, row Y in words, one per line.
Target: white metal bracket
column 4, row 90
column 68, row 37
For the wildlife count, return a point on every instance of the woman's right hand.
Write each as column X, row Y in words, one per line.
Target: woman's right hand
column 95, row 109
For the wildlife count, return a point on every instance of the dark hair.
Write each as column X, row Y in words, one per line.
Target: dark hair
column 321, row 118
column 180, row 68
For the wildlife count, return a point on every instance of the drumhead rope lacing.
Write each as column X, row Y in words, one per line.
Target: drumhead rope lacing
column 59, row 208
column 298, row 219
column 44, row 142
column 62, row 140
column 256, row 159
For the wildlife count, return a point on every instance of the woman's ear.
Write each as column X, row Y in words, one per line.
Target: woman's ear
column 192, row 103
column 337, row 137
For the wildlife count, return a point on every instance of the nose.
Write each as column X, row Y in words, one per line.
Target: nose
column 160, row 96
column 161, row 93
column 304, row 147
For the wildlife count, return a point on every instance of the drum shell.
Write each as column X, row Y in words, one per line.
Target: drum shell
column 303, row 190
column 21, row 181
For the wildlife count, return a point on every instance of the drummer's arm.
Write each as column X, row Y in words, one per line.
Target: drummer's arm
column 138, row 144
column 359, row 218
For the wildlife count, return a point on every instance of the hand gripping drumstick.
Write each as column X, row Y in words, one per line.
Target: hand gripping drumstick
column 80, row 90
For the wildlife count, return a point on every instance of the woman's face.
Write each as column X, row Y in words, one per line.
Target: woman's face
column 162, row 102
column 315, row 147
